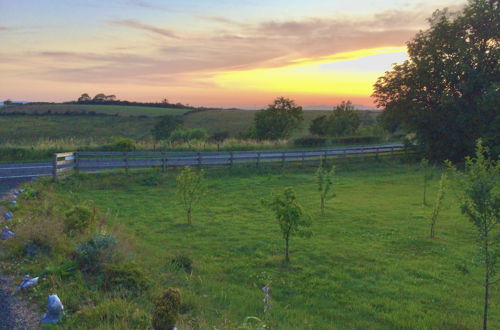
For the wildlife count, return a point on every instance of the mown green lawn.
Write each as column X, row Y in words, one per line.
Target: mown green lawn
column 368, row 265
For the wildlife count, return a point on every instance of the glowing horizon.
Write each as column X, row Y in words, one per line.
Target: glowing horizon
column 200, row 53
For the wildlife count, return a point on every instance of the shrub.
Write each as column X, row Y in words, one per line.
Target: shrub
column 310, row 141
column 124, row 275
column 123, row 144
column 92, row 254
column 356, row 139
column 79, row 220
column 166, row 310
column 182, row 262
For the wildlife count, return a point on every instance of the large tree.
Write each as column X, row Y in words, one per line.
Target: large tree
column 344, row 120
column 279, row 120
column 447, row 92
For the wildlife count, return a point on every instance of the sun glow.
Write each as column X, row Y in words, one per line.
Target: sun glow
column 314, row 76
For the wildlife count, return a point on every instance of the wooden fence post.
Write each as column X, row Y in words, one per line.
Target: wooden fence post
column 258, row 160
column 303, row 158
column 325, row 158
column 199, row 159
column 283, row 159
column 54, row 167
column 231, row 158
column 376, row 154
column 164, row 162
column 126, row 161
column 77, row 162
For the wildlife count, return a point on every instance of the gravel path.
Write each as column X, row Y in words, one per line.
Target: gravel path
column 15, row 313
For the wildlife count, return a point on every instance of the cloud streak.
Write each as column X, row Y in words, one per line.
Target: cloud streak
column 134, row 24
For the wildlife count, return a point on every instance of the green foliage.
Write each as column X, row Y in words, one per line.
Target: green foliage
column 428, row 170
column 124, row 275
column 279, row 120
column 166, row 310
column 123, row 144
column 186, row 135
column 191, row 189
column 480, row 202
column 79, row 220
column 165, row 127
column 92, row 254
column 447, row 91
column 438, row 204
column 344, row 120
column 30, row 194
column 113, row 313
column 182, row 262
column 310, row 141
column 290, row 216
column 324, row 179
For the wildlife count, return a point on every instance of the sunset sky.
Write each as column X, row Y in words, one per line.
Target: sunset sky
column 215, row 53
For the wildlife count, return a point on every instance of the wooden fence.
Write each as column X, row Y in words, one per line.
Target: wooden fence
column 98, row 161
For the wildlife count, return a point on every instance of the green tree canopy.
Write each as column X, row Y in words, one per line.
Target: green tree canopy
column 279, row 120
column 344, row 120
column 165, row 127
column 447, row 92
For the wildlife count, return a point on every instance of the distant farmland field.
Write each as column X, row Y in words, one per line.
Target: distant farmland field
column 235, row 121
column 30, row 129
column 121, row 110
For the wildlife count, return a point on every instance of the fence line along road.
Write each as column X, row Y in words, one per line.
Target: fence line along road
column 98, row 161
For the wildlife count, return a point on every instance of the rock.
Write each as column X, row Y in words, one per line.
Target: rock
column 14, row 203
column 28, row 282
column 21, row 191
column 55, row 310
column 8, row 215
column 6, row 233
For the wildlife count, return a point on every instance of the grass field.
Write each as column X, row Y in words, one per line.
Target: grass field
column 28, row 130
column 368, row 265
column 236, row 121
column 120, row 110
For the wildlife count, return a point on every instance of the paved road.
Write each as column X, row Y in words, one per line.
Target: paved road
column 91, row 163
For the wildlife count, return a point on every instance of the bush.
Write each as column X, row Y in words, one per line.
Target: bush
column 123, row 144
column 80, row 219
column 356, row 139
column 185, row 135
column 124, row 276
column 182, row 262
column 310, row 141
column 92, row 254
column 166, row 310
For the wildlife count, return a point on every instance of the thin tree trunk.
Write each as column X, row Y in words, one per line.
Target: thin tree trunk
column 189, row 217
column 322, row 205
column 486, row 282
column 425, row 190
column 287, row 259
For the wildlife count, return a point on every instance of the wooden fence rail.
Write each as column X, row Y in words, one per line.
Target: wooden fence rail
column 96, row 161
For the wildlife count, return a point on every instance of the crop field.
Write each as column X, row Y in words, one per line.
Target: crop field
column 369, row 263
column 120, row 110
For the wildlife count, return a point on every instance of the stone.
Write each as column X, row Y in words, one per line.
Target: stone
column 28, row 282
column 6, row 233
column 55, row 310
column 21, row 191
column 14, row 203
column 8, row 215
